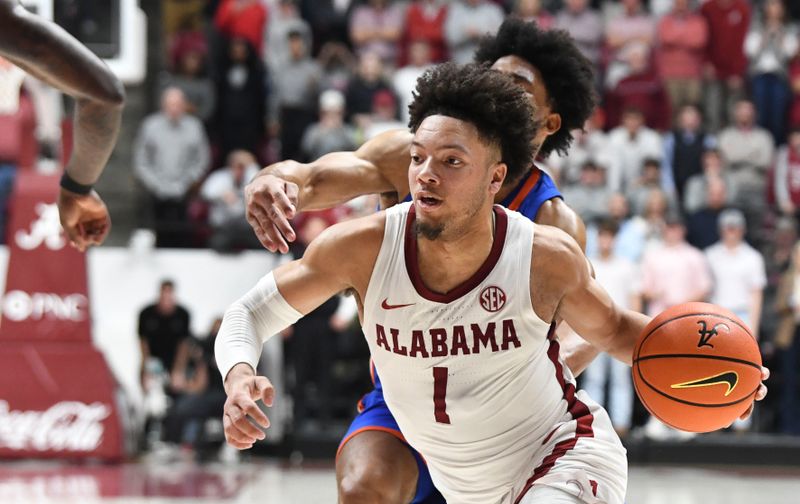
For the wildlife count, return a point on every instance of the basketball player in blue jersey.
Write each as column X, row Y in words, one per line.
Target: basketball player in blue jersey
column 50, row 54
column 374, row 464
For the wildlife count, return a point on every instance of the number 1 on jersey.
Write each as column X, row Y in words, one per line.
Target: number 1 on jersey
column 439, row 394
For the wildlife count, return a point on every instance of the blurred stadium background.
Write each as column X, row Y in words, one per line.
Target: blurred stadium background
column 688, row 175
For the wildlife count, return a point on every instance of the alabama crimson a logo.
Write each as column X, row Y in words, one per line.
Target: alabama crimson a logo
column 492, row 298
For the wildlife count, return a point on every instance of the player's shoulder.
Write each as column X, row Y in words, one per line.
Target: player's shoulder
column 556, row 213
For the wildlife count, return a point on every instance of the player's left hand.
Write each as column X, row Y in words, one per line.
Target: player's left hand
column 760, row 394
column 85, row 219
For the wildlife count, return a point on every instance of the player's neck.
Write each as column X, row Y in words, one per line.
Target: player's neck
column 448, row 261
column 509, row 186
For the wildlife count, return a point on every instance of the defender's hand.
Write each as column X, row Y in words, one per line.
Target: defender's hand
column 271, row 202
column 85, row 219
column 241, row 411
column 760, row 394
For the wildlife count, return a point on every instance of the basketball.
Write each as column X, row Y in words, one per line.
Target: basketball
column 696, row 367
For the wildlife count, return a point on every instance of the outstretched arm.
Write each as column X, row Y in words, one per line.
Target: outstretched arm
column 49, row 53
column 280, row 190
column 340, row 258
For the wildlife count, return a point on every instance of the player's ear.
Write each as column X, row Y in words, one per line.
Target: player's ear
column 499, row 171
column 552, row 123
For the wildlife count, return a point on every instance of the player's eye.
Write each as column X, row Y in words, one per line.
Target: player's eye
column 416, row 158
column 454, row 161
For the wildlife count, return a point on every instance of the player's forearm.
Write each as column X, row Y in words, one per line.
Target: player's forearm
column 626, row 333
column 96, row 129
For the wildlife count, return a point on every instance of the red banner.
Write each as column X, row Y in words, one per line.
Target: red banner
column 46, row 294
column 56, row 391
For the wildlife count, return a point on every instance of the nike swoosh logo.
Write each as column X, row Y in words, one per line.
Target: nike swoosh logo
column 387, row 306
column 729, row 378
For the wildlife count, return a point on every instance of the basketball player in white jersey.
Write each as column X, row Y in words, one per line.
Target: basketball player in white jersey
column 457, row 299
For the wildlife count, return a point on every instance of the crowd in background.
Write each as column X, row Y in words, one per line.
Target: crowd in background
column 687, row 175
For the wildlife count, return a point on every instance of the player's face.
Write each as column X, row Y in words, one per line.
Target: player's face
column 530, row 79
column 453, row 175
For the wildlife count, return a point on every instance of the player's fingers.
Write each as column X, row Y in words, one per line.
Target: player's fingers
column 284, row 201
column 246, row 427
column 236, row 427
column 764, row 373
column 279, row 220
column 263, row 237
column 761, row 393
column 73, row 232
column 258, row 416
column 746, row 414
column 266, row 219
column 264, row 390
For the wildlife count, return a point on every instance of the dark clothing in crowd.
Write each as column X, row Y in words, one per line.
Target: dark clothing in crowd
column 164, row 333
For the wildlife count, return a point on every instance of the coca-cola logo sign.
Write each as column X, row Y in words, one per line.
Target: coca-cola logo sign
column 64, row 426
column 19, row 305
column 46, row 229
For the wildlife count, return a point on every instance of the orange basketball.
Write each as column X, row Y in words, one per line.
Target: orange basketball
column 696, row 367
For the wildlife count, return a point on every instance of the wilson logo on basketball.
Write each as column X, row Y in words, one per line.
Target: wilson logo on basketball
column 492, row 298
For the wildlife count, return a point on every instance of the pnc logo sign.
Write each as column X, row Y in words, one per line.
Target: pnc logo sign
column 492, row 298
column 46, row 229
column 19, row 306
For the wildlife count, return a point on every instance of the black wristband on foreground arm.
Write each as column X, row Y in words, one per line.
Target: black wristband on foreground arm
column 71, row 185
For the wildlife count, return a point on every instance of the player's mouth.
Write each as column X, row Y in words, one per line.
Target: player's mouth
column 427, row 201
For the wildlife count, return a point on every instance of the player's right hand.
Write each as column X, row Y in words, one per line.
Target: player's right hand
column 241, row 416
column 84, row 218
column 271, row 202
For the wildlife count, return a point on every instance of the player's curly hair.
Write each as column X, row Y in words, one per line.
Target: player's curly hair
column 567, row 74
column 500, row 109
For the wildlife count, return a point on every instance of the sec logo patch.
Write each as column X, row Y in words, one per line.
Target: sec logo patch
column 492, row 298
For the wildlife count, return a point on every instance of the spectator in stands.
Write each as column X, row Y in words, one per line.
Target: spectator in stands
column 14, row 106
column 629, row 145
column 787, row 344
column 330, row 133
column 634, row 28
column 738, row 271
column 295, row 87
column 312, row 344
column 384, row 115
column 404, row 80
column 425, row 23
column 204, row 395
column 241, row 117
column 170, row 155
column 283, row 19
column 702, row 224
column 585, row 25
column 329, row 19
column 190, row 76
column 697, row 186
column 794, row 84
column 376, row 27
column 589, row 197
column 338, row 65
column 770, row 46
column 674, row 272
column 467, row 21
column 739, row 277
column 245, row 19
column 532, row 11
column 620, row 277
column 589, row 143
column 728, row 22
column 681, row 48
column 643, row 89
column 776, row 322
column 787, row 175
column 224, row 191
column 748, row 150
column 650, row 179
column 683, row 150
column 363, row 87
column 164, row 328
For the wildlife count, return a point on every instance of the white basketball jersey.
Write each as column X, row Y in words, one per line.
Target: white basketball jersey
column 473, row 376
